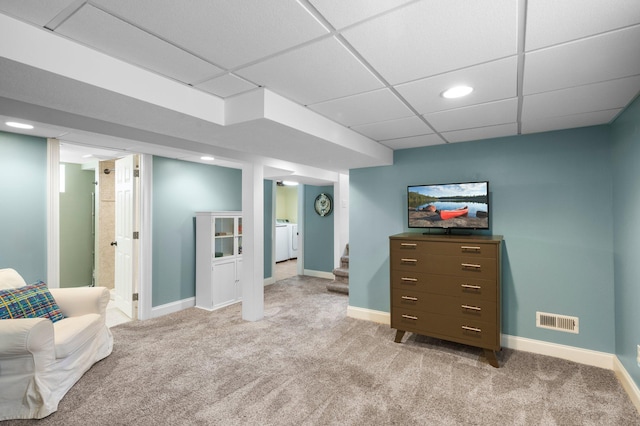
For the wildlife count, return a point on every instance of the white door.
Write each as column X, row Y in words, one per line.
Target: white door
column 125, row 196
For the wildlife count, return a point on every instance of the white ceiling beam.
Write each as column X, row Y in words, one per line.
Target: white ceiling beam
column 42, row 49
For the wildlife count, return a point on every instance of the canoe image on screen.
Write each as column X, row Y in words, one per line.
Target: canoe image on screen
column 451, row 205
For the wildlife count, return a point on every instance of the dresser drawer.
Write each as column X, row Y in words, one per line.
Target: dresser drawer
column 470, row 249
column 408, row 245
column 480, row 310
column 462, row 266
column 461, row 330
column 411, row 298
column 449, row 285
column 409, row 260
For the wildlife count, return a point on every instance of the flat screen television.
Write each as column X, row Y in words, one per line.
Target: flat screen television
column 449, row 206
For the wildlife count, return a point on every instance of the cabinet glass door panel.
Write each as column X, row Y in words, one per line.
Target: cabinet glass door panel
column 239, row 235
column 224, row 226
column 223, row 246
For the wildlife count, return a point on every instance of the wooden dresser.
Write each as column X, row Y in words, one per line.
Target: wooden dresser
column 448, row 287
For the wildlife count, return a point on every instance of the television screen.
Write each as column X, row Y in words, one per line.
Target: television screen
column 451, row 205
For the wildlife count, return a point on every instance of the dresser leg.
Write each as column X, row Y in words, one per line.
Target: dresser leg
column 399, row 336
column 491, row 357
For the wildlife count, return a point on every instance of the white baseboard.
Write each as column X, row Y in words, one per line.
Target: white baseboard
column 269, row 281
column 318, row 274
column 579, row 355
column 369, row 315
column 172, row 307
column 627, row 383
column 582, row 356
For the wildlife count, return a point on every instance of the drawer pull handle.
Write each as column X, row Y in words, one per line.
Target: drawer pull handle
column 408, row 244
column 471, row 266
column 477, row 330
column 409, row 260
column 411, row 317
column 470, row 248
column 471, row 286
column 413, row 299
column 407, row 279
column 473, row 308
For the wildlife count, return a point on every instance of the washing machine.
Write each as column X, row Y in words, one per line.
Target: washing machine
column 282, row 241
column 293, row 238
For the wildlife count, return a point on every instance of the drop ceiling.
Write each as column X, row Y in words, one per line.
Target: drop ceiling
column 313, row 86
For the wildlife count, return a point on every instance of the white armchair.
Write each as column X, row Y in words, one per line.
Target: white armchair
column 41, row 360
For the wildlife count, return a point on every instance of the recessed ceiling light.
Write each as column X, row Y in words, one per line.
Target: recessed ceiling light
column 457, row 92
column 18, row 125
column 207, row 158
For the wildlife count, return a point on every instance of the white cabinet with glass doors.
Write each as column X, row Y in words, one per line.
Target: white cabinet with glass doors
column 218, row 259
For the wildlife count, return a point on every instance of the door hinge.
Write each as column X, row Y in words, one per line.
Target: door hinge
column 136, row 173
column 134, row 297
column 136, row 235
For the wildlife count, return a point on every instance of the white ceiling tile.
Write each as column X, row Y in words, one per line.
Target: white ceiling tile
column 100, row 30
column 35, row 11
column 483, row 115
column 594, row 97
column 560, row 122
column 314, row 73
column 499, row 131
column 226, row 85
column 394, row 129
column 428, row 38
column 551, row 22
column 229, row 33
column 342, row 13
column 364, row 108
column 605, row 57
column 491, row 82
column 414, row 142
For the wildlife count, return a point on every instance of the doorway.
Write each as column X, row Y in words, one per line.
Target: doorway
column 286, row 231
column 91, row 251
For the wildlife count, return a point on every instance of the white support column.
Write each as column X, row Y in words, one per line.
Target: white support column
column 145, row 247
column 341, row 217
column 252, row 242
column 53, row 213
column 301, row 231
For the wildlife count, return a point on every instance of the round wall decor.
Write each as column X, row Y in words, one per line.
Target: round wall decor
column 323, row 204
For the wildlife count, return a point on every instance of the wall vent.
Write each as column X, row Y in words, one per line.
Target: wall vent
column 557, row 322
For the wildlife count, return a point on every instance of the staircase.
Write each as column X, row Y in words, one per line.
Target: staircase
column 340, row 282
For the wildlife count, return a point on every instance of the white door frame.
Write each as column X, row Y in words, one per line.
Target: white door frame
column 53, row 213
column 145, row 225
column 145, row 244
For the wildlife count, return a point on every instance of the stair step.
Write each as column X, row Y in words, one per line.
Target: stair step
column 341, row 272
column 338, row 287
column 344, row 259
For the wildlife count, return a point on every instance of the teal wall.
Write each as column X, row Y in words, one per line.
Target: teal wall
column 626, row 199
column 318, row 232
column 23, row 215
column 180, row 189
column 76, row 227
column 550, row 196
column 269, row 222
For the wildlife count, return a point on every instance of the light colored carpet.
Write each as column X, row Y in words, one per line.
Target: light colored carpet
column 306, row 363
column 286, row 269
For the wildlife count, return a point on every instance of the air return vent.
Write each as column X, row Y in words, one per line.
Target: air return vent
column 557, row 322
